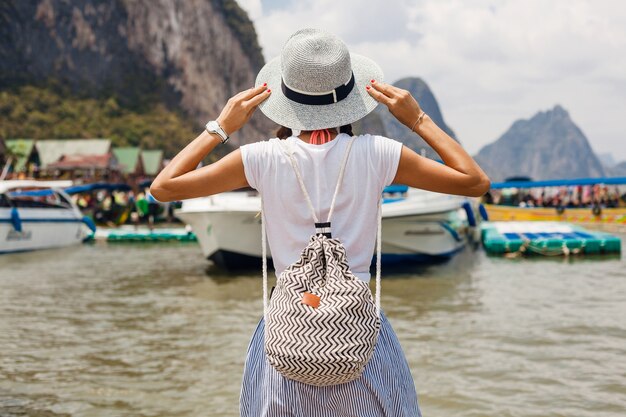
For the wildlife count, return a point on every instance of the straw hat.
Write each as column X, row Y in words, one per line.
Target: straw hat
column 317, row 83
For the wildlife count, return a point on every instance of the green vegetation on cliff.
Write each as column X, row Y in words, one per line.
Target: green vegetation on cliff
column 43, row 113
column 153, row 60
column 237, row 19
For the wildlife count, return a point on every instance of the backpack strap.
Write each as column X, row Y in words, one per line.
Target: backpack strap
column 319, row 226
column 264, row 259
column 289, row 152
column 342, row 170
column 379, row 249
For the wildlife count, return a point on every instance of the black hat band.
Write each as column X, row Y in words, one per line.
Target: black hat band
column 331, row 97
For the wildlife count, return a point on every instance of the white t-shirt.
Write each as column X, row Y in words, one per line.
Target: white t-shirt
column 371, row 166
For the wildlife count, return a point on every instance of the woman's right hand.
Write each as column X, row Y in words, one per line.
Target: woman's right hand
column 400, row 102
column 240, row 108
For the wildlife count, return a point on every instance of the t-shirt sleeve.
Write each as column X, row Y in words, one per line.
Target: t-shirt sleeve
column 386, row 158
column 252, row 156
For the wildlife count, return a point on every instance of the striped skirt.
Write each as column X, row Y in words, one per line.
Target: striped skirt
column 385, row 389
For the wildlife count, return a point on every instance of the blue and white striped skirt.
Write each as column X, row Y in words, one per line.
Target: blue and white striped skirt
column 385, row 389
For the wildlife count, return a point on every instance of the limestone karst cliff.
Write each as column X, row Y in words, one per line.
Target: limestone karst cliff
column 546, row 146
column 191, row 55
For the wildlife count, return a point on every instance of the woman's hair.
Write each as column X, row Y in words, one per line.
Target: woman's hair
column 284, row 132
column 346, row 129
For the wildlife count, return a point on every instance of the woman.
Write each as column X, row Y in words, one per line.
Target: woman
column 318, row 88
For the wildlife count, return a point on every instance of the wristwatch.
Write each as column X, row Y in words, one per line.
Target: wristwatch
column 214, row 127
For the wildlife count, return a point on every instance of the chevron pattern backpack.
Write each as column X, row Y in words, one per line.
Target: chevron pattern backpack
column 321, row 323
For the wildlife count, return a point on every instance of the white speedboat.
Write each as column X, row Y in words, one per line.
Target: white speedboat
column 418, row 226
column 39, row 215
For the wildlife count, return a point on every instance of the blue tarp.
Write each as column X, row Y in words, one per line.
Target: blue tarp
column 75, row 189
column 31, row 193
column 396, row 188
column 97, row 186
column 559, row 183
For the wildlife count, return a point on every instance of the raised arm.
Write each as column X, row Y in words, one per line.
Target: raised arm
column 180, row 179
column 459, row 174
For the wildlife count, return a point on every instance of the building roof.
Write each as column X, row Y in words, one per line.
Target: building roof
column 22, row 148
column 51, row 150
column 152, row 160
column 82, row 162
column 127, row 158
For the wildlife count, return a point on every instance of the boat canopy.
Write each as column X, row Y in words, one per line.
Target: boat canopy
column 396, row 188
column 17, row 184
column 145, row 183
column 559, row 183
column 98, row 186
column 75, row 189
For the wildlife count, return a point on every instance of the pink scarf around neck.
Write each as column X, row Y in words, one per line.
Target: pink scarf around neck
column 319, row 137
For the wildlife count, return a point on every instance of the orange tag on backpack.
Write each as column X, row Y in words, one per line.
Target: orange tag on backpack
column 311, row 300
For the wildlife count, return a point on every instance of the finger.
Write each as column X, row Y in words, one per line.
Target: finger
column 241, row 96
column 248, row 94
column 378, row 96
column 258, row 99
column 383, row 88
column 396, row 91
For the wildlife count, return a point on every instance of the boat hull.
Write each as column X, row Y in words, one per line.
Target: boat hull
column 609, row 216
column 40, row 229
column 230, row 233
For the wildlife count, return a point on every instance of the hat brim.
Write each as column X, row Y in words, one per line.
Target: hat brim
column 298, row 116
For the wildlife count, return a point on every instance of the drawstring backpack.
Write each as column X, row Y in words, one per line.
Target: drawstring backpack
column 321, row 323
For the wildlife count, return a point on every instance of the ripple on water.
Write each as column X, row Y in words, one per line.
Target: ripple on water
column 144, row 330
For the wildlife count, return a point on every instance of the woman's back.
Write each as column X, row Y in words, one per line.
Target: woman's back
column 371, row 166
column 317, row 86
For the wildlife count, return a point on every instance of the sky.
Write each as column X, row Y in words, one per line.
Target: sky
column 488, row 62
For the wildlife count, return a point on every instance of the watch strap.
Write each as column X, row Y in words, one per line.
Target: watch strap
column 219, row 130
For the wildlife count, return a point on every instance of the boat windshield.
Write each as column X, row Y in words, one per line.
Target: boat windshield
column 29, row 199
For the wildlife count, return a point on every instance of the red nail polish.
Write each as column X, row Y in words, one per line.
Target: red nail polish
column 269, row 90
column 264, row 84
column 372, row 81
column 367, row 87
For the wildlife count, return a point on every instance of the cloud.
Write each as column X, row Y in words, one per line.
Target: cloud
column 252, row 7
column 489, row 62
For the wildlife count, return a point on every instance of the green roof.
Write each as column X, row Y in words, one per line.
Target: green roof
column 50, row 150
column 21, row 148
column 127, row 158
column 152, row 161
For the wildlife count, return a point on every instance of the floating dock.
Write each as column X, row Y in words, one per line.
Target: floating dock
column 545, row 238
column 144, row 234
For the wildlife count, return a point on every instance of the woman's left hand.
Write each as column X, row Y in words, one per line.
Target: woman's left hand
column 400, row 102
column 240, row 108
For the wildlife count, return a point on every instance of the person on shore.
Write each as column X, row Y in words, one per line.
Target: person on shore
column 314, row 91
column 153, row 210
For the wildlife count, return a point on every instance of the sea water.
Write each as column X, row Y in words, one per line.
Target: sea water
column 152, row 330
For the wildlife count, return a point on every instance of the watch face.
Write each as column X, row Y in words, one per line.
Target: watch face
column 212, row 126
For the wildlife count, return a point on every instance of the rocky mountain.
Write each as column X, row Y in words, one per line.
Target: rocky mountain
column 548, row 145
column 381, row 122
column 606, row 158
column 612, row 167
column 618, row 170
column 191, row 55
